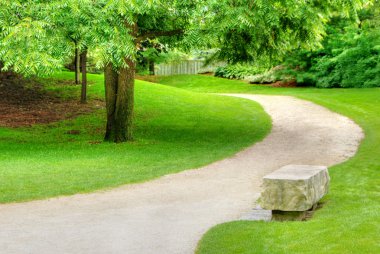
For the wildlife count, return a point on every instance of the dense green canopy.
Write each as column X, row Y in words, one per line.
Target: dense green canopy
column 35, row 35
column 38, row 36
column 247, row 30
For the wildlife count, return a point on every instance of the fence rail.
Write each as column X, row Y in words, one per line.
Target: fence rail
column 184, row 67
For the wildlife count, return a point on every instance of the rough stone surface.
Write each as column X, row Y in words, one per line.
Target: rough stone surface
column 257, row 214
column 294, row 187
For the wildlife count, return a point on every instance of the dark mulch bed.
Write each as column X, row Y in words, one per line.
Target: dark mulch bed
column 24, row 102
column 291, row 83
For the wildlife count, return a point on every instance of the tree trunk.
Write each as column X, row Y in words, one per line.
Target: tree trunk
column 1, row 72
column 77, row 65
column 151, row 67
column 6, row 74
column 83, row 61
column 120, row 102
column 120, row 99
column 125, row 102
column 110, row 82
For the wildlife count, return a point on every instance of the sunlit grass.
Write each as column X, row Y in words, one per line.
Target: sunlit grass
column 174, row 130
column 349, row 221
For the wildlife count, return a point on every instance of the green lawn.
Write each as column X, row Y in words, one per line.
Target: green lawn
column 175, row 130
column 349, row 222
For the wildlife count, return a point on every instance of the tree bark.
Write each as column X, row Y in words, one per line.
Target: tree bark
column 6, row 74
column 77, row 65
column 110, row 82
column 1, row 72
column 83, row 61
column 125, row 102
column 120, row 102
column 151, row 67
column 119, row 88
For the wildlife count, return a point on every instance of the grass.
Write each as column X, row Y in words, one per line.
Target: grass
column 349, row 222
column 174, row 130
column 207, row 84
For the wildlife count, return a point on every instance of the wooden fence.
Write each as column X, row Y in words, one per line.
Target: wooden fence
column 184, row 67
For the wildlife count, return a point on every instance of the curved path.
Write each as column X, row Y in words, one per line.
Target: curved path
column 170, row 214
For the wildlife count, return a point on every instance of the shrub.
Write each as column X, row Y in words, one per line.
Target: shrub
column 356, row 66
column 238, row 71
column 267, row 77
column 278, row 73
column 306, row 79
column 350, row 56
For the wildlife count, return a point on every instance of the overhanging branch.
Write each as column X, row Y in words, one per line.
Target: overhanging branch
column 155, row 34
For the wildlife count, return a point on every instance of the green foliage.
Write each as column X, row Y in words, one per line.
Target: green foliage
column 357, row 66
column 350, row 56
column 29, row 43
column 245, row 31
column 267, row 77
column 124, row 25
column 305, row 79
column 238, row 71
column 152, row 51
column 34, row 34
column 37, row 37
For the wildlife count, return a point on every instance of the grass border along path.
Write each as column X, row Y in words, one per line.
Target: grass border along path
column 349, row 220
column 175, row 130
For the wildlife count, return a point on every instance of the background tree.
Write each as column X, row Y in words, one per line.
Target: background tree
column 349, row 56
column 74, row 20
column 38, row 37
column 134, row 22
column 149, row 53
column 243, row 30
column 247, row 30
column 29, row 43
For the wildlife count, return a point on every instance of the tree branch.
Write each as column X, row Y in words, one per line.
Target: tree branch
column 154, row 34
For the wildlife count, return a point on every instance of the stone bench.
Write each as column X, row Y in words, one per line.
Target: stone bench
column 294, row 188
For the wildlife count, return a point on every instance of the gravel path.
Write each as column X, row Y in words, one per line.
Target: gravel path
column 170, row 214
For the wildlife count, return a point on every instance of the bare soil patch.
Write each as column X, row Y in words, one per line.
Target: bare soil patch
column 26, row 102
